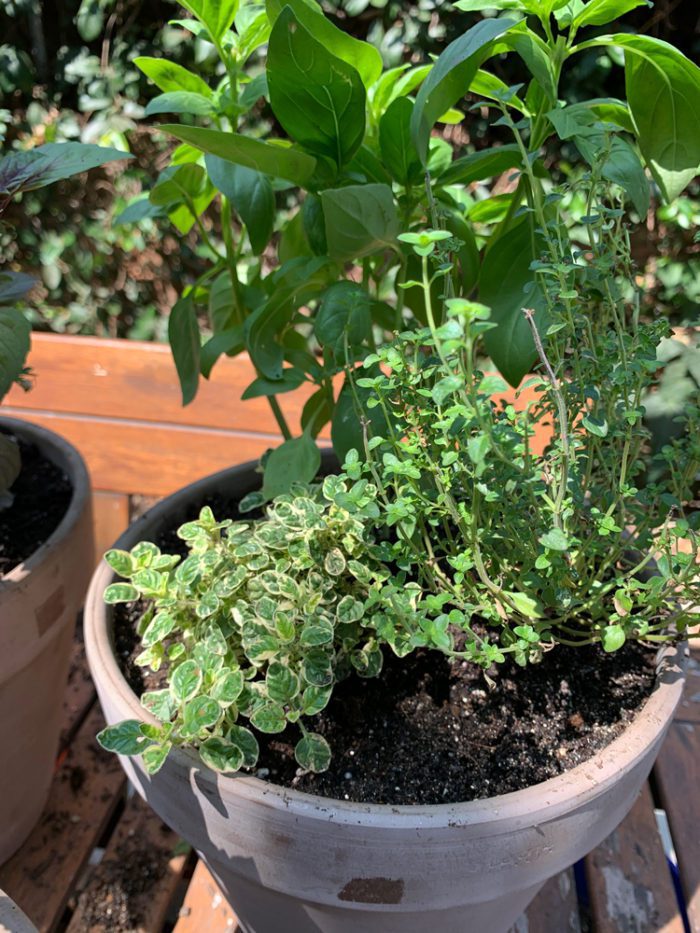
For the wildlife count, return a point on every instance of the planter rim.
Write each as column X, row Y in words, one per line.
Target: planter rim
column 66, row 456
column 534, row 804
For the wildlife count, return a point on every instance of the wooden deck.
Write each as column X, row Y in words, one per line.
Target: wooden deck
column 100, row 861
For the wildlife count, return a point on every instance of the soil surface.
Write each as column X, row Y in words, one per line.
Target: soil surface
column 42, row 494
column 430, row 731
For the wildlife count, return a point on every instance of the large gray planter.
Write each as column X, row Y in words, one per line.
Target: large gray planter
column 39, row 602
column 294, row 863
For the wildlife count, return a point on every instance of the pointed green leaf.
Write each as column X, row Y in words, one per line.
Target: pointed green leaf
column 510, row 345
column 319, row 99
column 294, row 461
column 183, row 333
column 480, row 165
column 217, row 15
column 600, row 12
column 181, row 102
column 361, row 55
column 663, row 91
column 251, row 195
column 396, row 144
column 15, row 332
column 360, row 220
column 279, row 161
column 170, row 77
column 451, row 76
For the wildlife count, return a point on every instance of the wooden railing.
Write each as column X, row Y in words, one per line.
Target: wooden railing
column 119, row 403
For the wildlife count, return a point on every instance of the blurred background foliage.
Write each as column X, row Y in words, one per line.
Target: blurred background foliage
column 66, row 73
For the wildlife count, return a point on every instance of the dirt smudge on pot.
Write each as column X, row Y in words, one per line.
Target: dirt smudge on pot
column 372, row 891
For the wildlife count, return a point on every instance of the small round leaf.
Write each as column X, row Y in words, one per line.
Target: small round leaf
column 245, row 740
column 269, row 718
column 120, row 593
column 124, row 738
column 187, row 679
column 613, row 638
column 313, row 753
column 221, row 755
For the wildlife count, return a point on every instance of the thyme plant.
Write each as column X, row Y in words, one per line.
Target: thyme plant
column 508, row 552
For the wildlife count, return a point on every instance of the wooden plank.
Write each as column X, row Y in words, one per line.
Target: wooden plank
column 205, row 907
column 134, row 884
column 629, row 881
column 110, row 517
column 554, row 910
column 151, row 459
column 85, row 792
column 689, row 707
column 79, row 696
column 677, row 773
column 128, row 379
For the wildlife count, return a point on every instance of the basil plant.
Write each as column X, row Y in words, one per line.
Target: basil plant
column 316, row 158
column 19, row 172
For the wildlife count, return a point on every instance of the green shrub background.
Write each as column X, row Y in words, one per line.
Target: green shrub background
column 66, row 73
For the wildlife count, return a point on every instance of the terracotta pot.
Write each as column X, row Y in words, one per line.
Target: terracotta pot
column 297, row 863
column 39, row 602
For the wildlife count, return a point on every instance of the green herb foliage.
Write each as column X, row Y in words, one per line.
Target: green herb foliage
column 448, row 531
column 360, row 145
column 21, row 172
column 254, row 627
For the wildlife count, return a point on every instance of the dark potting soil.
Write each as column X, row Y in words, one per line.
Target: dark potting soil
column 42, row 494
column 429, row 730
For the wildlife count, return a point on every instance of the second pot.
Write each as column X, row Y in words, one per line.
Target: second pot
column 39, row 603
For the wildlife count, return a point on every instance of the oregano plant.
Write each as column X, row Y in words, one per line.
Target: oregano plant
column 254, row 627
